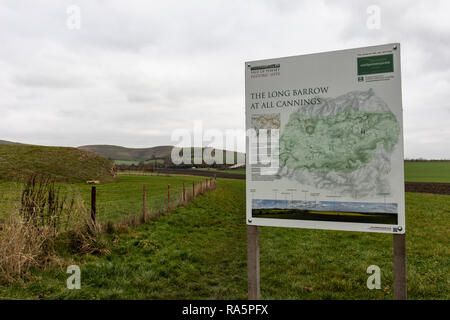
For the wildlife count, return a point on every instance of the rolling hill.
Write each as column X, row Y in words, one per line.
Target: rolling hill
column 139, row 154
column 63, row 163
column 9, row 142
column 131, row 154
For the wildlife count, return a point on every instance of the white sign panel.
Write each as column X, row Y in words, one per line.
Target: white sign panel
column 325, row 145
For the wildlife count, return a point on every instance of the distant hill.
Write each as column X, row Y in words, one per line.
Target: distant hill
column 131, row 154
column 139, row 154
column 65, row 164
column 9, row 142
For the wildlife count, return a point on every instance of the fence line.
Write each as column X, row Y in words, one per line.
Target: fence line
column 146, row 205
column 100, row 213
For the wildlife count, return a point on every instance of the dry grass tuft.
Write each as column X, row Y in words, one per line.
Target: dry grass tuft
column 22, row 247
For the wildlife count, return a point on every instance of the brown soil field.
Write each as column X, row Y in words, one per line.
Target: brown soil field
column 428, row 187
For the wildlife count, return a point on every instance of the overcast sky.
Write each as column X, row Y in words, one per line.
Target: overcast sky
column 136, row 70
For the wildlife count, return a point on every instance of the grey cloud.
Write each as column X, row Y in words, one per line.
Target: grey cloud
column 137, row 70
column 49, row 81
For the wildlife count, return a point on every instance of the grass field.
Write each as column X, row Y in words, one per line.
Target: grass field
column 235, row 171
column 427, row 171
column 114, row 200
column 199, row 252
column 136, row 162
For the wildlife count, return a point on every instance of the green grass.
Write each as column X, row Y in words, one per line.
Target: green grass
column 65, row 164
column 136, row 162
column 235, row 171
column 427, row 171
column 199, row 252
column 126, row 162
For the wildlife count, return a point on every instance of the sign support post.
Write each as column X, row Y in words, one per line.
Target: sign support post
column 400, row 266
column 253, row 262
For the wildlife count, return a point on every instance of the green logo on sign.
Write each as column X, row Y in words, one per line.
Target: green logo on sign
column 376, row 64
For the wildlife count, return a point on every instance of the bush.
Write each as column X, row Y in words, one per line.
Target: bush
column 22, row 247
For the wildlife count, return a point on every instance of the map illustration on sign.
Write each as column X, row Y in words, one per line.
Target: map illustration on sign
column 339, row 142
column 343, row 144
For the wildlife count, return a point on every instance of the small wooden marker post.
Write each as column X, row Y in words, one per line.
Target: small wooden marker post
column 168, row 197
column 253, row 262
column 193, row 189
column 144, row 209
column 93, row 203
column 184, row 194
column 400, row 266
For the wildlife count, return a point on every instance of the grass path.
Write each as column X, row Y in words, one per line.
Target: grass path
column 199, row 252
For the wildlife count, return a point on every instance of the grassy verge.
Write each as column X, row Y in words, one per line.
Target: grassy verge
column 199, row 252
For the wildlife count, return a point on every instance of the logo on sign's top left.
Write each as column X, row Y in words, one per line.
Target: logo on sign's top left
column 263, row 71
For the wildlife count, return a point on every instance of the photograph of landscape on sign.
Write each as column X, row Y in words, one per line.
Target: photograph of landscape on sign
column 367, row 212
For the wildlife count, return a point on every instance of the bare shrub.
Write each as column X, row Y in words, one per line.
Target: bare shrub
column 84, row 241
column 43, row 204
column 84, row 236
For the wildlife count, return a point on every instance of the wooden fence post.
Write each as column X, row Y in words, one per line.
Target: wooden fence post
column 184, row 194
column 400, row 266
column 193, row 189
column 253, row 262
column 93, row 203
column 144, row 209
column 168, row 197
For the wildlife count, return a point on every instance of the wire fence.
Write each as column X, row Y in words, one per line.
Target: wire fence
column 138, row 202
column 150, row 205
